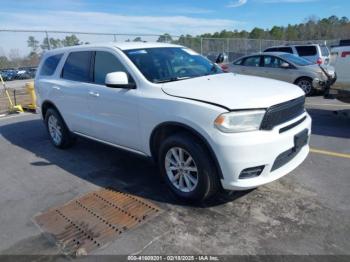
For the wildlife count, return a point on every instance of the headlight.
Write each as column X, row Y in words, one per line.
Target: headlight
column 240, row 121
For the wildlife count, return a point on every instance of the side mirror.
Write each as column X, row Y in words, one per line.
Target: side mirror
column 119, row 80
column 285, row 65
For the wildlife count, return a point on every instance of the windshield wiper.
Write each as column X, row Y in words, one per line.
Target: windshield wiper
column 173, row 79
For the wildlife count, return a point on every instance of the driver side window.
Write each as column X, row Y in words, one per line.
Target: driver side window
column 272, row 62
column 105, row 63
column 253, row 61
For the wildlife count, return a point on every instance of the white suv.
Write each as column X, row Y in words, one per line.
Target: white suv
column 318, row 54
column 206, row 129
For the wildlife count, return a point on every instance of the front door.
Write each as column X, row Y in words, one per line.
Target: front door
column 251, row 66
column 272, row 69
column 114, row 111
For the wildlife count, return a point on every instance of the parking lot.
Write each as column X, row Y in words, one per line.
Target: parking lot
column 305, row 212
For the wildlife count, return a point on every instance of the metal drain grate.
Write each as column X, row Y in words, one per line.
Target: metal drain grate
column 95, row 219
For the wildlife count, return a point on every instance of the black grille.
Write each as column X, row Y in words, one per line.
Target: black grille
column 281, row 113
column 284, row 158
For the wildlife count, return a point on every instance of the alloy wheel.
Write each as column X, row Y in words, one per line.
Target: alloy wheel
column 55, row 129
column 181, row 169
column 306, row 86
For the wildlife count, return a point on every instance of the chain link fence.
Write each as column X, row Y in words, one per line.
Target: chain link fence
column 21, row 50
column 237, row 47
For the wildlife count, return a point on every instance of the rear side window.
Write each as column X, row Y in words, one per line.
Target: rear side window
column 285, row 50
column 306, row 50
column 77, row 66
column 273, row 49
column 106, row 63
column 280, row 49
column 50, row 64
column 252, row 61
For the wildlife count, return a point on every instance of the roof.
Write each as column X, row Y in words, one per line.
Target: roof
column 137, row 45
column 276, row 53
column 264, row 53
column 291, row 45
column 120, row 45
column 261, row 54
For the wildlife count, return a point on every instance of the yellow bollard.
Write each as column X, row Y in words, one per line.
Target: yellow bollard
column 31, row 92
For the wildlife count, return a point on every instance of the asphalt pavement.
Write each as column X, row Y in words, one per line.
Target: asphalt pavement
column 305, row 212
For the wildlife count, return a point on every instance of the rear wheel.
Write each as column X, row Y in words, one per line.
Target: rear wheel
column 59, row 134
column 187, row 168
column 306, row 85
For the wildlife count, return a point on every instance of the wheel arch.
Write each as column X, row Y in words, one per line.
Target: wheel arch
column 303, row 77
column 46, row 105
column 165, row 129
column 49, row 104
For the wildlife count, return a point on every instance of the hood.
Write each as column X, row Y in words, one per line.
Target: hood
column 234, row 91
column 329, row 69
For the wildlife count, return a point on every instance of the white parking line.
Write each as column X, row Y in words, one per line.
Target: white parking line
column 6, row 116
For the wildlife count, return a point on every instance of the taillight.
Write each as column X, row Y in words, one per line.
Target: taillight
column 345, row 54
column 319, row 61
column 225, row 68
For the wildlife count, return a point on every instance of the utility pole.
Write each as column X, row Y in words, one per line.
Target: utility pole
column 48, row 40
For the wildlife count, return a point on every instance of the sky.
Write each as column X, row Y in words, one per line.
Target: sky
column 156, row 17
column 160, row 16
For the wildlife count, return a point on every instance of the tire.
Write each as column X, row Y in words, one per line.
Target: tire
column 306, row 85
column 195, row 186
column 59, row 134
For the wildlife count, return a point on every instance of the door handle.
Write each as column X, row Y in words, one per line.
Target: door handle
column 56, row 88
column 94, row 94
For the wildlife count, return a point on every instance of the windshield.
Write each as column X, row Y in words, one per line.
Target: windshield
column 296, row 60
column 166, row 64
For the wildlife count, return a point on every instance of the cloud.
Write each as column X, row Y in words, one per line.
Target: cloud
column 287, row 1
column 113, row 23
column 187, row 10
column 237, row 3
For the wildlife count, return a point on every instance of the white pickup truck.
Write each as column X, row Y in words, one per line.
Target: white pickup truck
column 340, row 59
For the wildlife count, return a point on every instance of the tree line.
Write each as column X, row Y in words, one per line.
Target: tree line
column 312, row 28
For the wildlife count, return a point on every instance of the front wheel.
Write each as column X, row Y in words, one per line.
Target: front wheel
column 306, row 85
column 188, row 168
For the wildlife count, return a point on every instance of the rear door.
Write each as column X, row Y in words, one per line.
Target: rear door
column 71, row 91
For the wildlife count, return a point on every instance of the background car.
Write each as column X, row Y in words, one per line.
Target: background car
column 318, row 54
column 8, row 74
column 286, row 67
column 340, row 59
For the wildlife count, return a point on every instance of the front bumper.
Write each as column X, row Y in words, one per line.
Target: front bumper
column 237, row 152
column 323, row 84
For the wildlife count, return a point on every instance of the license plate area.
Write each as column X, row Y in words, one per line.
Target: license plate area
column 300, row 139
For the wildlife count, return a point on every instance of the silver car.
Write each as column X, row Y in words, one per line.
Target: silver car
column 286, row 67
